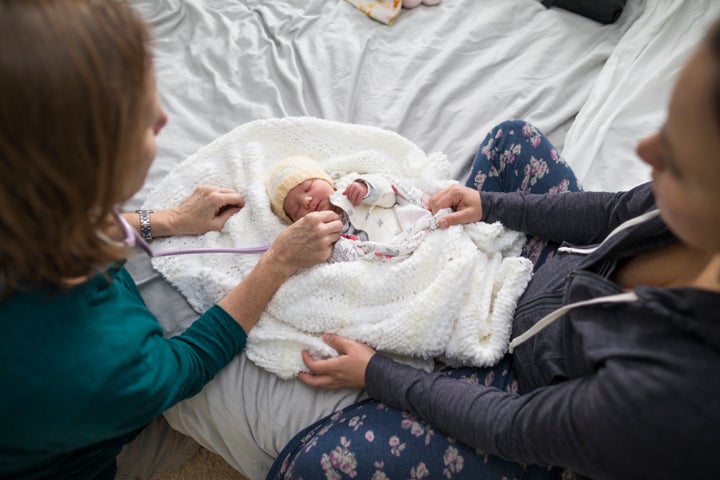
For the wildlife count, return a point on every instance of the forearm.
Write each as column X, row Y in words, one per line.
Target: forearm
column 246, row 302
column 201, row 351
column 576, row 217
column 483, row 417
column 435, row 398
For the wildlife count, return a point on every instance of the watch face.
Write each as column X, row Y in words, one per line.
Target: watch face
column 144, row 216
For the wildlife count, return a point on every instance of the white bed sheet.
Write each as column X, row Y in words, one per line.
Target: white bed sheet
column 630, row 97
column 440, row 76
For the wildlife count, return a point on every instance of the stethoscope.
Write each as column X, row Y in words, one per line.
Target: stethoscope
column 133, row 238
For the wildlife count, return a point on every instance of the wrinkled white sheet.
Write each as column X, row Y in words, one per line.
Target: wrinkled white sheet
column 630, row 97
column 441, row 77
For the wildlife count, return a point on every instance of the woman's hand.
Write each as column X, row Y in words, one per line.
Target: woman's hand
column 346, row 370
column 206, row 209
column 308, row 241
column 464, row 201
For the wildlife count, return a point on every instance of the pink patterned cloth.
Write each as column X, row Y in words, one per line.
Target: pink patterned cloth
column 384, row 11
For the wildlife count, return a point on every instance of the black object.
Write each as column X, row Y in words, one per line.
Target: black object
column 603, row 11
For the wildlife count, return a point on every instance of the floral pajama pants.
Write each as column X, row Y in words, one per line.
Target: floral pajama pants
column 370, row 440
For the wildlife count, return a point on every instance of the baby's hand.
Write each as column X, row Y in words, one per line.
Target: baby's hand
column 355, row 192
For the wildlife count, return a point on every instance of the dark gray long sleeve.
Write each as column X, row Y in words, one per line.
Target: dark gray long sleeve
column 577, row 217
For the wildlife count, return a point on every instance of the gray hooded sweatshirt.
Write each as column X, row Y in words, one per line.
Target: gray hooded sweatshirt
column 627, row 387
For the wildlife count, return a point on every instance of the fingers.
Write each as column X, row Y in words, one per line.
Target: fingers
column 325, row 216
column 346, row 370
column 229, row 199
column 221, row 200
column 447, row 198
column 355, row 192
column 315, row 377
column 351, row 195
column 207, row 208
column 228, row 204
column 456, row 218
column 308, row 241
column 217, row 197
column 341, row 344
column 224, row 215
column 324, row 225
column 465, row 203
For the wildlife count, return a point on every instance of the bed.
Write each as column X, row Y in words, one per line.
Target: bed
column 440, row 77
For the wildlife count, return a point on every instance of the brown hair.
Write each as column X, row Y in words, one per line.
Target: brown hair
column 74, row 80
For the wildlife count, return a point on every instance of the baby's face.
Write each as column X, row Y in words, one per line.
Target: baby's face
column 312, row 195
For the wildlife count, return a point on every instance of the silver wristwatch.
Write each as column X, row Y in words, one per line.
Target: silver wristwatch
column 144, row 216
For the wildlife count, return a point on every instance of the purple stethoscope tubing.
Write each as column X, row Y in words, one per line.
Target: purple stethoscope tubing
column 188, row 251
column 132, row 238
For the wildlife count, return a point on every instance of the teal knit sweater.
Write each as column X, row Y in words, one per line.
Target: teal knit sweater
column 83, row 370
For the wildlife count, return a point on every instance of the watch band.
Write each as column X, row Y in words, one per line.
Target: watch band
column 144, row 216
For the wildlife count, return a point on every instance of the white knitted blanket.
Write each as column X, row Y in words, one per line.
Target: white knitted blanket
column 453, row 298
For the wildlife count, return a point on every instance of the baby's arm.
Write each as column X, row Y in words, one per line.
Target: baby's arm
column 384, row 192
column 380, row 190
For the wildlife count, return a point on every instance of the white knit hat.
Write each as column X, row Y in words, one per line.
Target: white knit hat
column 286, row 175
